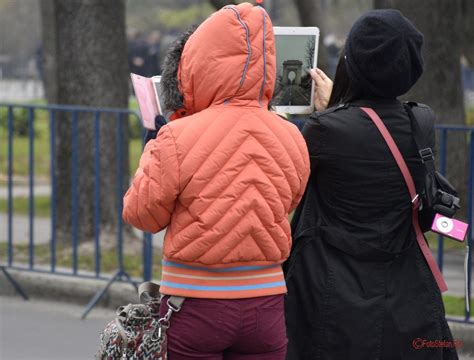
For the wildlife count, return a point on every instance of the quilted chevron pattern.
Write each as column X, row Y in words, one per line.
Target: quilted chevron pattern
column 244, row 177
column 224, row 178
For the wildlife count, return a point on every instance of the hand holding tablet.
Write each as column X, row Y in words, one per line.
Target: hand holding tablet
column 322, row 88
column 296, row 54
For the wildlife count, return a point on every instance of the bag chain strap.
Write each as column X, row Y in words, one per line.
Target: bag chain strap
column 174, row 304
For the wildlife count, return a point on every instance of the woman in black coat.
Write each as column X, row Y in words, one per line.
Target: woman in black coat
column 358, row 284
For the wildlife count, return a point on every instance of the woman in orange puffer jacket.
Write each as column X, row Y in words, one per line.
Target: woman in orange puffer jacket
column 222, row 178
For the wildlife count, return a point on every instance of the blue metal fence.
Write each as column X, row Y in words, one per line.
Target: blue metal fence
column 147, row 254
column 73, row 113
column 442, row 138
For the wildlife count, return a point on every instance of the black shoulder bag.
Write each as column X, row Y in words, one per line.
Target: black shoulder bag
column 438, row 194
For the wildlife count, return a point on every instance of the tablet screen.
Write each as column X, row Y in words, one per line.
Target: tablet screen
column 294, row 55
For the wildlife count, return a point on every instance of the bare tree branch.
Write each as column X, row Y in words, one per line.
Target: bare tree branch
column 467, row 11
column 311, row 14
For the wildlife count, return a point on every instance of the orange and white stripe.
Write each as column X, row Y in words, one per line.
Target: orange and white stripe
column 221, row 283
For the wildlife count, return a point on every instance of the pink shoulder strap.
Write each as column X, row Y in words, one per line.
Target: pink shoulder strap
column 420, row 238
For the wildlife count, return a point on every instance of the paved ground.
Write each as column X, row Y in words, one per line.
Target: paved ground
column 42, row 230
column 42, row 226
column 20, row 90
column 24, row 191
column 463, row 355
column 36, row 330
column 453, row 271
column 21, row 226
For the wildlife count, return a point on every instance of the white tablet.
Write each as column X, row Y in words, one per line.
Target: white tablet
column 296, row 52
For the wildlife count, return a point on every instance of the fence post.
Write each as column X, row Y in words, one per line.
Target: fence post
column 74, row 193
column 442, row 169
column 52, row 145
column 31, row 206
column 119, row 192
column 10, row 186
column 147, row 241
column 97, row 192
column 147, row 256
column 470, row 232
column 8, row 276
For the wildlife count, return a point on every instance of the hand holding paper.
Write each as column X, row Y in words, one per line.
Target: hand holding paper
column 147, row 97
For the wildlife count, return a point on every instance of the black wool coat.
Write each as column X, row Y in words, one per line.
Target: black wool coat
column 358, row 285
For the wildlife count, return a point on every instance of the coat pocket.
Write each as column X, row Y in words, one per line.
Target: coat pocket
column 300, row 241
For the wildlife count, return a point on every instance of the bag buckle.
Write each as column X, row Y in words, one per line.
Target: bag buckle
column 426, row 154
column 416, row 201
column 175, row 302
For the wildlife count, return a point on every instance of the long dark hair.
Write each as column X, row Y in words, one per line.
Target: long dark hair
column 342, row 90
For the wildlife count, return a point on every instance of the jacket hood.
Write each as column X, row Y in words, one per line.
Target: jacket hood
column 229, row 58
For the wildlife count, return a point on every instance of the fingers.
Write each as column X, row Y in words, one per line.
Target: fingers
column 315, row 76
column 319, row 77
column 323, row 88
column 322, row 74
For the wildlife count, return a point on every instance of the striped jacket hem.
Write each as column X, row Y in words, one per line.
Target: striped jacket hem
column 238, row 282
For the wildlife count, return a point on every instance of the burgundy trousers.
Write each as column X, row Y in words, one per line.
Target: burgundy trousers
column 237, row 329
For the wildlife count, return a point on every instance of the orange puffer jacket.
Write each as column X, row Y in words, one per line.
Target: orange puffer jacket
column 224, row 178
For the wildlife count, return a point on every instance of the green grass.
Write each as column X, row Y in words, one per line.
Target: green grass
column 455, row 305
column 21, row 149
column 133, row 263
column 135, row 151
column 21, row 205
column 470, row 116
column 448, row 244
column 41, row 145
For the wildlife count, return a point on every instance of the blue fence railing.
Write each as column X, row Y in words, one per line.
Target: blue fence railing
column 443, row 131
column 26, row 119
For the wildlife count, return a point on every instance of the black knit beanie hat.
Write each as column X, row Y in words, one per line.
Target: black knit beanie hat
column 383, row 54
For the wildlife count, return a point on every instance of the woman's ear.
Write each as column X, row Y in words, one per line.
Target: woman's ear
column 172, row 97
